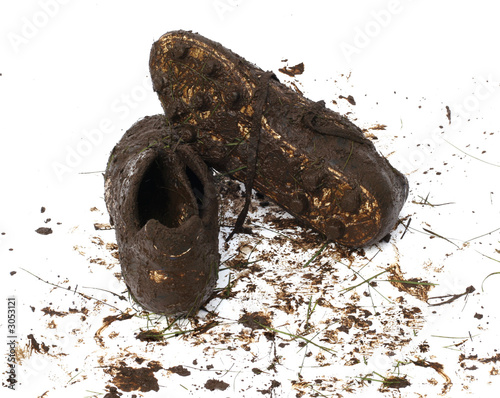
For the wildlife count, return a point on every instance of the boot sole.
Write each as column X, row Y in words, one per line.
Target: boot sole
column 312, row 161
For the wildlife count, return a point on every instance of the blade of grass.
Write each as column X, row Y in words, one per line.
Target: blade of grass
column 493, row 273
column 318, row 393
column 491, row 258
column 370, row 260
column 453, row 338
column 64, row 288
column 302, row 364
column 92, row 172
column 406, row 228
column 440, row 236
column 425, row 201
column 365, row 281
column 277, row 233
column 349, row 157
column 295, row 336
column 370, row 287
column 410, row 282
column 74, row 377
column 480, row 236
column 310, row 310
column 253, row 249
column 316, row 255
column 93, row 392
column 484, row 280
column 233, row 171
column 121, row 297
column 468, row 154
column 348, row 289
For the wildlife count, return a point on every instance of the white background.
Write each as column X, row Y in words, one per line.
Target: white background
column 75, row 77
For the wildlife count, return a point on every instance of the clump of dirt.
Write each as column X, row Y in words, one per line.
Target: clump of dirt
column 180, row 370
column 44, row 231
column 274, row 384
column 213, row 385
column 378, row 127
column 135, row 379
column 395, row 382
column 355, row 317
column 40, row 348
column 413, row 316
column 293, row 70
column 494, row 359
column 149, row 335
column 255, row 320
column 349, row 99
column 424, row 347
column 51, row 312
column 113, row 392
column 448, row 114
column 102, row 227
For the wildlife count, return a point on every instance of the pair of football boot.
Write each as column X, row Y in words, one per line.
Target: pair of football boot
column 222, row 112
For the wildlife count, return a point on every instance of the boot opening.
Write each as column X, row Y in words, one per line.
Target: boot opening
column 162, row 196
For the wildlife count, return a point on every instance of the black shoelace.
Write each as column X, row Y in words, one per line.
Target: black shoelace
column 260, row 97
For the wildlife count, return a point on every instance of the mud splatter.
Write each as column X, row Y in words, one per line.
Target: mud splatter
column 293, row 70
column 102, row 227
column 438, row 368
column 414, row 286
column 44, row 231
column 395, row 382
column 150, row 335
column 349, row 99
column 135, row 379
column 113, row 392
column 180, row 370
column 39, row 348
column 494, row 359
column 378, row 127
column 213, row 385
column 255, row 320
column 108, row 321
column 274, row 384
column 51, row 312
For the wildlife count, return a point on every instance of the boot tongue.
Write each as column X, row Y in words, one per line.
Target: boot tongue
column 171, row 242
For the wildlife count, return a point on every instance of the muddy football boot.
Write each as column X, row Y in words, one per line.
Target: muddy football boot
column 163, row 204
column 309, row 159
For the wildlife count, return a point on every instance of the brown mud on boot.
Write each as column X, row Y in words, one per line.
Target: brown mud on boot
column 309, row 159
column 163, row 204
